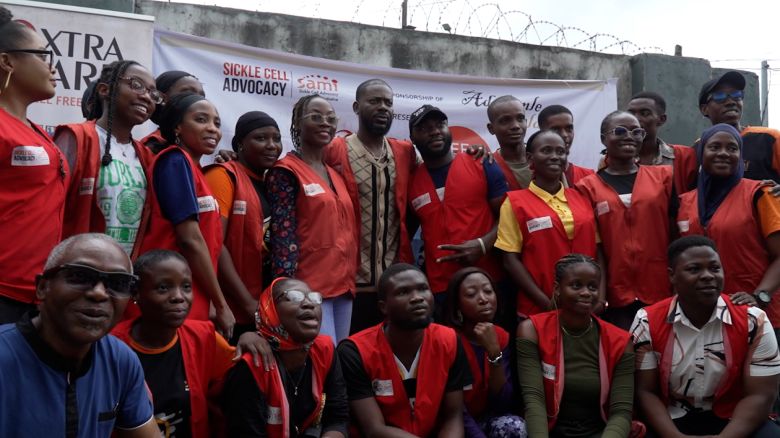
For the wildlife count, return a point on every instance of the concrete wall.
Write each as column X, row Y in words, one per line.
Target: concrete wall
column 111, row 5
column 677, row 78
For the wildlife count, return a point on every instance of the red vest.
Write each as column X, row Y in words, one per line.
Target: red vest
column 154, row 138
column 327, row 258
column 737, row 233
column 686, row 168
column 83, row 212
column 612, row 345
column 476, row 397
column 244, row 237
column 574, row 174
column 198, row 345
column 160, row 231
column 735, row 342
column 270, row 385
column 464, row 214
column 437, row 354
column 547, row 242
column 33, row 181
column 336, row 156
column 634, row 239
column 511, row 180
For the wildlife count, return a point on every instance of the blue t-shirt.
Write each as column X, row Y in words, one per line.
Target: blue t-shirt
column 36, row 399
column 174, row 186
column 496, row 181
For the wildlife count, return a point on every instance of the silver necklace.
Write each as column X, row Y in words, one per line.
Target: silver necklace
column 578, row 335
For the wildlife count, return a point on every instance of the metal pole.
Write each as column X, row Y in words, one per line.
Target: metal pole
column 764, row 93
column 403, row 14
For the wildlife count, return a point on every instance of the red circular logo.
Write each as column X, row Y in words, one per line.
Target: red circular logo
column 463, row 137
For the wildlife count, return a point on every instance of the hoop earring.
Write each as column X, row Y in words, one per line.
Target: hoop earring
column 178, row 140
column 7, row 81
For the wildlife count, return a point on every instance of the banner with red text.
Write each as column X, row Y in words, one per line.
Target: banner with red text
column 83, row 40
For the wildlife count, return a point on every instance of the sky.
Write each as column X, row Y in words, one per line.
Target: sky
column 728, row 34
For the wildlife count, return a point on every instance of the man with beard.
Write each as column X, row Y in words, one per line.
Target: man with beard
column 376, row 171
column 405, row 377
column 559, row 119
column 456, row 200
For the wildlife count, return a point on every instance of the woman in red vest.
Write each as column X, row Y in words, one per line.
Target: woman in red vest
column 305, row 394
column 575, row 370
column 542, row 223
column 170, row 83
column 183, row 360
column 239, row 188
column 470, row 308
column 312, row 218
column 33, row 172
column 635, row 207
column 739, row 216
column 107, row 193
column 184, row 214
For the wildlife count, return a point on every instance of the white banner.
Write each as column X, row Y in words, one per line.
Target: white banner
column 239, row 78
column 83, row 41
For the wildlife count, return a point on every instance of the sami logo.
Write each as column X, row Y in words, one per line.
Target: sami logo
column 318, row 84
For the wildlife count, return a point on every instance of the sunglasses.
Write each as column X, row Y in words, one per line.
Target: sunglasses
column 623, row 132
column 46, row 56
column 331, row 120
column 722, row 96
column 296, row 296
column 139, row 88
column 83, row 277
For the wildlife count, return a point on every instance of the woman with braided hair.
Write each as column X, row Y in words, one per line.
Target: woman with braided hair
column 312, row 219
column 576, row 371
column 107, row 193
column 33, row 172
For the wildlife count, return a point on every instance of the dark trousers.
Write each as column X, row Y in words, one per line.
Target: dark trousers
column 365, row 312
column 12, row 310
column 707, row 423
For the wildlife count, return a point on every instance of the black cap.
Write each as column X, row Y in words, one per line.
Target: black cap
column 733, row 78
column 421, row 113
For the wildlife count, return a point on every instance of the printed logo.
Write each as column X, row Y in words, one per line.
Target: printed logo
column 206, row 204
column 327, row 87
column 87, row 186
column 382, row 388
column 129, row 205
column 463, row 137
column 239, row 207
column 602, row 208
column 28, row 156
column 684, row 226
column 274, row 415
column 539, row 223
column 548, row 371
column 421, row 201
column 313, row 189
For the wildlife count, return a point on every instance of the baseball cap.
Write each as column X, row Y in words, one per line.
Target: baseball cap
column 733, row 78
column 421, row 113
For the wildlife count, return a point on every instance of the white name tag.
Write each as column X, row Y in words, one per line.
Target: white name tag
column 468, row 387
column 87, row 186
column 382, row 388
column 274, row 415
column 313, row 189
column 539, row 223
column 602, row 208
column 239, row 207
column 684, row 226
column 421, row 201
column 29, row 156
column 206, row 204
column 548, row 371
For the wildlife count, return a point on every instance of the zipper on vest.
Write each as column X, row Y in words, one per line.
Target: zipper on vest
column 71, row 409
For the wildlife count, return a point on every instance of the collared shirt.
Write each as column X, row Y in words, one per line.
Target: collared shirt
column 379, row 218
column 698, row 357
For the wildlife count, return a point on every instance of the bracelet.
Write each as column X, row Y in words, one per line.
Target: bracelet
column 482, row 244
column 495, row 360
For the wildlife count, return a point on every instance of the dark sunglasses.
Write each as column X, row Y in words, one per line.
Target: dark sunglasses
column 722, row 96
column 623, row 132
column 83, row 277
column 46, row 56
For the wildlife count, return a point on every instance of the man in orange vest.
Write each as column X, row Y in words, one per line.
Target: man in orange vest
column 405, row 376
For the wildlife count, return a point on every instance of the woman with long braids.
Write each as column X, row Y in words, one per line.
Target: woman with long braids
column 33, row 171
column 576, row 371
column 170, row 83
column 107, row 193
column 184, row 214
column 312, row 220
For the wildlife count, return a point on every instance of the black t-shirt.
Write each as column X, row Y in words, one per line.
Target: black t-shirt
column 359, row 385
column 166, row 379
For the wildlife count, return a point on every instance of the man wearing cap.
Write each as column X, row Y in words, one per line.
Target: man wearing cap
column 457, row 201
column 720, row 100
column 60, row 374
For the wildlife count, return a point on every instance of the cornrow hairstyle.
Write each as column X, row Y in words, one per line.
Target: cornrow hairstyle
column 11, row 32
column 297, row 113
column 532, row 139
column 569, row 260
column 452, row 300
column 109, row 76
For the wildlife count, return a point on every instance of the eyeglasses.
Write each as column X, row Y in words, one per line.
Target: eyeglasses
column 331, row 120
column 722, row 96
column 296, row 296
column 83, row 277
column 139, row 88
column 46, row 56
column 623, row 132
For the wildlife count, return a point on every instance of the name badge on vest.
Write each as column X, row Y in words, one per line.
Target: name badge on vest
column 313, row 189
column 539, row 223
column 239, row 207
column 29, row 156
column 602, row 208
column 421, row 201
column 548, row 371
column 274, row 415
column 87, row 186
column 382, row 387
column 206, row 204
column 684, row 226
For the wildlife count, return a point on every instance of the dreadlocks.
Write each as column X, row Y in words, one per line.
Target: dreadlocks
column 297, row 113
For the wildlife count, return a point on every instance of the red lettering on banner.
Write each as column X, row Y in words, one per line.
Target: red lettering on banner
column 242, row 70
column 279, row 75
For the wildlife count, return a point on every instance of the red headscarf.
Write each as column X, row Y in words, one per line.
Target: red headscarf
column 268, row 323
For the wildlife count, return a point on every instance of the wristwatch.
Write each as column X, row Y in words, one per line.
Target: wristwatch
column 763, row 297
column 496, row 359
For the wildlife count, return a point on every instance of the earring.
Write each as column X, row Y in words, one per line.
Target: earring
column 458, row 316
column 178, row 140
column 7, row 80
